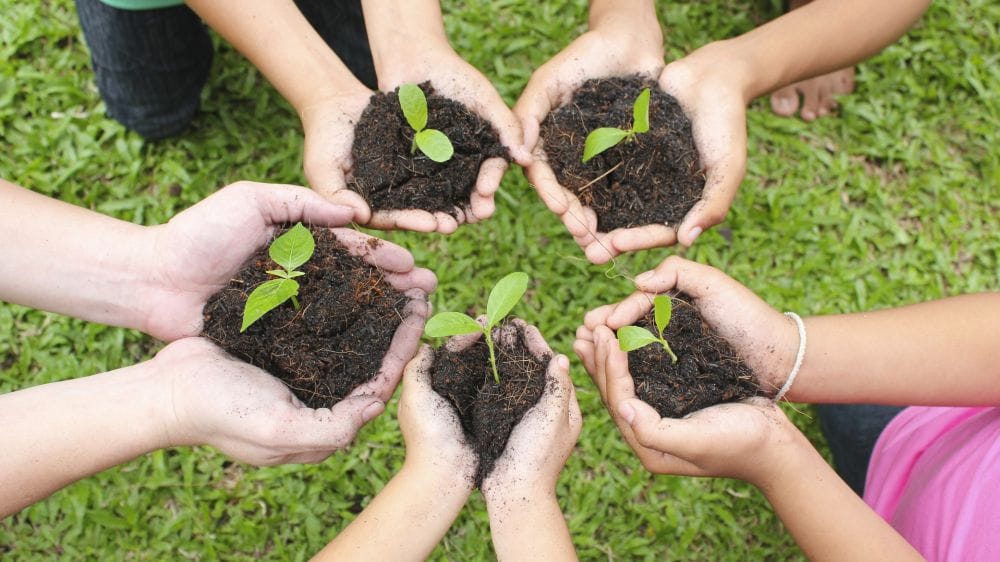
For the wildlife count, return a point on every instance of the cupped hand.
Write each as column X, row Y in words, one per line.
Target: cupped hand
column 452, row 77
column 214, row 399
column 328, row 124
column 435, row 442
column 544, row 438
column 600, row 53
column 200, row 249
column 761, row 335
column 746, row 440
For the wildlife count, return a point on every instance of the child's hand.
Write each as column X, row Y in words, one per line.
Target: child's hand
column 762, row 336
column 435, row 444
column 544, row 438
column 746, row 440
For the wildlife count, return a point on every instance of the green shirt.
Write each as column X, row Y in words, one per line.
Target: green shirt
column 142, row 4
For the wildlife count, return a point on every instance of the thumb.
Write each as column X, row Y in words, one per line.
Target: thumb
column 289, row 203
column 533, row 106
column 558, row 388
column 644, row 421
column 317, row 430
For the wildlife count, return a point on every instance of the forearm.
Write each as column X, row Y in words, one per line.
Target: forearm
column 528, row 526
column 67, row 259
column 941, row 353
column 631, row 18
column 279, row 41
column 399, row 30
column 826, row 518
column 58, row 433
column 405, row 521
column 820, row 37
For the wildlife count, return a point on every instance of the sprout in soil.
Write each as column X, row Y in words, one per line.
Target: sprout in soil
column 604, row 138
column 631, row 338
column 431, row 142
column 290, row 250
column 505, row 294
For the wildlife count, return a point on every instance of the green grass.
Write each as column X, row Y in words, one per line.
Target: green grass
column 895, row 201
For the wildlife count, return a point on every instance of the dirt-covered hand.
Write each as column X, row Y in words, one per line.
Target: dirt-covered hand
column 704, row 84
column 328, row 125
column 396, row 264
column 456, row 79
column 544, row 438
column 761, row 335
column 604, row 51
column 435, row 442
column 737, row 440
column 200, row 249
column 246, row 413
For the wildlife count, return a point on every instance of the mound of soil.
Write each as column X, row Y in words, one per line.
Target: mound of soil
column 653, row 179
column 707, row 372
column 389, row 176
column 489, row 411
column 335, row 342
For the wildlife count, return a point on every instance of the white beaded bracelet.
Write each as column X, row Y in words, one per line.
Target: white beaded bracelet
column 798, row 356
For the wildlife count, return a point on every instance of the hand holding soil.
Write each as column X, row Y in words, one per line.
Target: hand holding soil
column 246, row 413
column 200, row 249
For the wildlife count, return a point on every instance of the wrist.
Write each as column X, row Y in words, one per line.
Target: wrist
column 516, row 494
column 394, row 27
column 789, row 456
column 632, row 28
column 721, row 64
column 452, row 482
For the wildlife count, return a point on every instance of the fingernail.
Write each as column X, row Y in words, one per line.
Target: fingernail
column 563, row 362
column 694, row 233
column 373, row 410
column 627, row 412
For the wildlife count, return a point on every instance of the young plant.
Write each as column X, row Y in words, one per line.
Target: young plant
column 631, row 338
column 290, row 250
column 503, row 297
column 431, row 142
column 604, row 138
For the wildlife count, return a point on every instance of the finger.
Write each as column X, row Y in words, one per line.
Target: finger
column 574, row 415
column 401, row 349
column 380, row 253
column 581, row 222
column 617, row 379
column 555, row 399
column 459, row 343
column 417, row 377
column 599, row 374
column 481, row 207
column 629, row 310
column 490, row 175
column 537, row 346
column 598, row 316
column 724, row 158
column 417, row 278
column 646, row 432
column 642, row 238
column 584, row 333
column 543, row 179
column 540, row 96
column 321, row 430
column 409, row 219
column 278, row 204
column 676, row 273
column 446, row 224
column 488, row 103
column 348, row 198
column 585, row 351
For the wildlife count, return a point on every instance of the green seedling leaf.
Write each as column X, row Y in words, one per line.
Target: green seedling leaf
column 293, row 248
column 444, row 324
column 600, row 140
column 266, row 297
column 434, row 144
column 662, row 308
column 414, row 105
column 640, row 112
column 631, row 338
column 504, row 296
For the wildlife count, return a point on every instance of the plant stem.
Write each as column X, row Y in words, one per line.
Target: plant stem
column 666, row 346
column 295, row 303
column 493, row 359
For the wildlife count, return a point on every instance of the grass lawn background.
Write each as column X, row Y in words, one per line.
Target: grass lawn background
column 892, row 202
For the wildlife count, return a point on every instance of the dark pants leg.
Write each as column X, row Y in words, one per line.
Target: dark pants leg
column 342, row 26
column 851, row 431
column 150, row 65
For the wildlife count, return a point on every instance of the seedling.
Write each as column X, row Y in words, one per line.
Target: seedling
column 505, row 294
column 431, row 142
column 604, row 138
column 290, row 250
column 631, row 338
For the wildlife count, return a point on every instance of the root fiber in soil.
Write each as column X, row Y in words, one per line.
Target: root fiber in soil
column 488, row 411
column 389, row 175
column 708, row 370
column 335, row 342
column 655, row 178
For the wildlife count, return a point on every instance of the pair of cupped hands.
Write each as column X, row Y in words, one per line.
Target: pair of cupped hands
column 251, row 416
column 712, row 100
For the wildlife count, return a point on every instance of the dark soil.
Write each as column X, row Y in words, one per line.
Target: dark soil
column 708, row 371
column 654, row 179
column 388, row 176
column 489, row 411
column 349, row 314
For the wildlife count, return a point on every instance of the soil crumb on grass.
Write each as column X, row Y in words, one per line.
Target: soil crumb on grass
column 708, row 370
column 389, row 175
column 656, row 178
column 488, row 411
column 335, row 342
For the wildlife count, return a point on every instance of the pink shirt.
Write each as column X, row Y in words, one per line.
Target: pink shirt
column 935, row 477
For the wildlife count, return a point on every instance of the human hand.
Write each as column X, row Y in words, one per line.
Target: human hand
column 435, row 442
column 613, row 47
column 544, row 438
column 762, row 336
column 214, row 399
column 748, row 440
